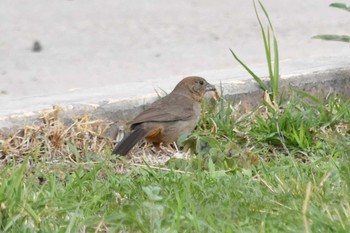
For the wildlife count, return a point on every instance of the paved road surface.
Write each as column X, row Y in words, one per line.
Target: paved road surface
column 93, row 43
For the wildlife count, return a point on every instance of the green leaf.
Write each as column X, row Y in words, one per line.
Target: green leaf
column 275, row 79
column 153, row 193
column 74, row 150
column 266, row 40
column 273, row 71
column 307, row 95
column 32, row 213
column 266, row 14
column 256, row 78
column 213, row 142
column 341, row 38
column 342, row 6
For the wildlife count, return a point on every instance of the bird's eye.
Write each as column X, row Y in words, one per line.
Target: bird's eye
column 201, row 82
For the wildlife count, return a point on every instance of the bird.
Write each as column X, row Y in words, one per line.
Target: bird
column 169, row 117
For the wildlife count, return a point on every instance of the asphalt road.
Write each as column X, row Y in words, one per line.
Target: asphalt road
column 94, row 43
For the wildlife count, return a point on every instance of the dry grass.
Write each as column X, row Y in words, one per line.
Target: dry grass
column 72, row 183
column 51, row 138
column 83, row 139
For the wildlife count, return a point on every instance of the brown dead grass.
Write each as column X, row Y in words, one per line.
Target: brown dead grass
column 52, row 140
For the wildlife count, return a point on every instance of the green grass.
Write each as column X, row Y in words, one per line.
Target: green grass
column 244, row 182
column 332, row 37
column 284, row 167
column 272, row 59
column 268, row 198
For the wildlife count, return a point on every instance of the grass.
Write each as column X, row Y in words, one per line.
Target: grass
column 284, row 167
column 272, row 59
column 245, row 182
column 332, row 37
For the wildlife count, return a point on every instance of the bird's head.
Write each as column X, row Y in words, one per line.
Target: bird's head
column 195, row 86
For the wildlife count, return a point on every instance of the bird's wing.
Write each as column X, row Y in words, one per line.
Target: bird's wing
column 173, row 107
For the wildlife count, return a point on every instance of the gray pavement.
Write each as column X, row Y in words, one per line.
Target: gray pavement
column 319, row 77
column 91, row 44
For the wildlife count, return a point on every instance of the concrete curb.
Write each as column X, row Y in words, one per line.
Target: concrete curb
column 319, row 76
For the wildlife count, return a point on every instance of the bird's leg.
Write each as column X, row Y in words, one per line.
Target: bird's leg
column 158, row 148
column 171, row 148
column 162, row 148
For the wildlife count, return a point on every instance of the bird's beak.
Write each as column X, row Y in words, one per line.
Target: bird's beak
column 210, row 87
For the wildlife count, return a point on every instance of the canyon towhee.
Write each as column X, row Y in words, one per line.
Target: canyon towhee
column 169, row 117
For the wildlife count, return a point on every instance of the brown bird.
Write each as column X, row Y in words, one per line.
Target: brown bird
column 169, row 117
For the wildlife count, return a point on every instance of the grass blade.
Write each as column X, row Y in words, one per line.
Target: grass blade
column 342, row 6
column 275, row 79
column 266, row 14
column 341, row 38
column 307, row 95
column 256, row 78
column 266, row 40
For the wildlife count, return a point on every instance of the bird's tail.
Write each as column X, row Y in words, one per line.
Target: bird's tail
column 128, row 142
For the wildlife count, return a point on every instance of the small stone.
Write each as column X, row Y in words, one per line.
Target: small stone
column 36, row 47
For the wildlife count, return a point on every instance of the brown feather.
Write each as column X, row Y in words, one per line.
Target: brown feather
column 163, row 110
column 169, row 117
column 125, row 145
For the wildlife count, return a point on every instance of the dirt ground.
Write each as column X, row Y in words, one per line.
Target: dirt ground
column 85, row 44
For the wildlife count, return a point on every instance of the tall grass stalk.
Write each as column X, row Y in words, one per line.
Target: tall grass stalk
column 272, row 57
